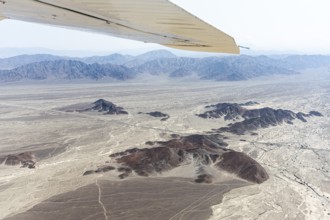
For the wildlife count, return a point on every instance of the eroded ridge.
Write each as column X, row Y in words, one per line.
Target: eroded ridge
column 200, row 150
column 253, row 119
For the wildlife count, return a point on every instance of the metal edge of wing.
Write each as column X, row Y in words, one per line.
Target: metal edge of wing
column 230, row 50
column 234, row 48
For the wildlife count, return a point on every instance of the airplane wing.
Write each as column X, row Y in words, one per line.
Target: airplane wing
column 154, row 21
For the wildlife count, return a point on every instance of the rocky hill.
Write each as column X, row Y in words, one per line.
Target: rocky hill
column 100, row 105
column 253, row 119
column 200, row 150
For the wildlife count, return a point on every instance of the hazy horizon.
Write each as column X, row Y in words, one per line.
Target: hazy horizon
column 7, row 52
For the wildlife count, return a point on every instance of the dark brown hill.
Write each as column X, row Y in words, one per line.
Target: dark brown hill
column 201, row 150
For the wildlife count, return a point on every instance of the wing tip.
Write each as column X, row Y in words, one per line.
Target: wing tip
column 211, row 49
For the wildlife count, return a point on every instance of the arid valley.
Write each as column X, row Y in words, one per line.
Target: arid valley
column 79, row 162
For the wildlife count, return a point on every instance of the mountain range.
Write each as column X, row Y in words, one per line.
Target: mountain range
column 161, row 62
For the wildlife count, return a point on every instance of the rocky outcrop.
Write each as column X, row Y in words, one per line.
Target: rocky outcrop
column 201, row 150
column 106, row 107
column 229, row 111
column 101, row 169
column 150, row 160
column 101, row 105
column 26, row 159
column 264, row 118
column 249, row 103
column 158, row 114
column 252, row 119
column 204, row 178
column 243, row 166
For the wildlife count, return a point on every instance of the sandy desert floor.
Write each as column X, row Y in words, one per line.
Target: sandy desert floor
column 296, row 156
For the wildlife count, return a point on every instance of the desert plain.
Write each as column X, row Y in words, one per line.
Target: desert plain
column 67, row 144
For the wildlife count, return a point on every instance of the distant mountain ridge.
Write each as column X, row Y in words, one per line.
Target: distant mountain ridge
column 65, row 69
column 116, row 58
column 16, row 61
column 160, row 62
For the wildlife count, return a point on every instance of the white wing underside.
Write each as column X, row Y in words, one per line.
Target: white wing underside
column 154, row 21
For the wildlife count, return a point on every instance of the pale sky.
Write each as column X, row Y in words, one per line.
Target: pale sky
column 276, row 25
